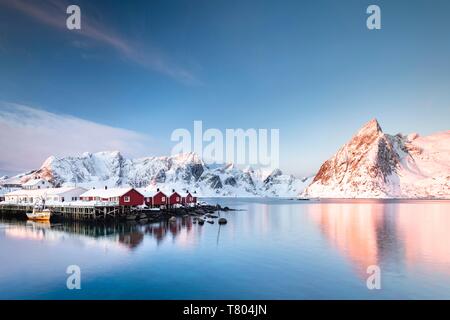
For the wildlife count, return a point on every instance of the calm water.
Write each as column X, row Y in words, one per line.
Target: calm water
column 274, row 249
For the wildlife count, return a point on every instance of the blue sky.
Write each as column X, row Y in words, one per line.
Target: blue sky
column 310, row 68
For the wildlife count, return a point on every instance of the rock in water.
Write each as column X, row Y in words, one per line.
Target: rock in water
column 223, row 221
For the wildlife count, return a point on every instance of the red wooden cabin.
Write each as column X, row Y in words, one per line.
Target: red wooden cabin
column 188, row 198
column 131, row 198
column 159, row 199
column 175, row 198
column 121, row 196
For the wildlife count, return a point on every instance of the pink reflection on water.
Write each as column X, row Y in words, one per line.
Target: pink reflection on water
column 425, row 230
column 370, row 232
column 351, row 228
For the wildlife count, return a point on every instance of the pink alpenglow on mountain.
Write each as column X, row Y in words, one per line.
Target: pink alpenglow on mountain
column 378, row 165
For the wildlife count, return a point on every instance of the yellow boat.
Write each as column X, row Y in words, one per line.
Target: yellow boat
column 39, row 214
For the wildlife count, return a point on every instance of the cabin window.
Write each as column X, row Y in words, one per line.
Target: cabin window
column 178, row 198
column 126, row 199
column 163, row 198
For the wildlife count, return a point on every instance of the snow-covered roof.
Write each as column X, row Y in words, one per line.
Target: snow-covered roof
column 152, row 191
column 45, row 192
column 106, row 193
column 169, row 191
column 33, row 182
column 147, row 193
column 184, row 193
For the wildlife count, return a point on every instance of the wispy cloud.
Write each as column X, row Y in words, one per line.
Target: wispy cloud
column 53, row 13
column 29, row 135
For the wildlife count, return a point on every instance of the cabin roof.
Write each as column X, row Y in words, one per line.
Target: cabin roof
column 33, row 182
column 152, row 192
column 106, row 193
column 43, row 192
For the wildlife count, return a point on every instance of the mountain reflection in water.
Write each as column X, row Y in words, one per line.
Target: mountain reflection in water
column 270, row 248
column 382, row 232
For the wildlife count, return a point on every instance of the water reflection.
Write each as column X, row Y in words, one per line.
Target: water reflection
column 128, row 235
column 271, row 249
column 426, row 234
column 180, row 231
column 29, row 230
column 392, row 234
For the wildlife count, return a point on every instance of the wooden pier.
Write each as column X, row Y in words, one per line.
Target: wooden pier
column 104, row 212
column 92, row 213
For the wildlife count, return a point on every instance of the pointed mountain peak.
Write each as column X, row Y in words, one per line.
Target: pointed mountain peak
column 186, row 158
column 48, row 162
column 370, row 128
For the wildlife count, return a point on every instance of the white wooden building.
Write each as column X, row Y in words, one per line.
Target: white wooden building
column 37, row 183
column 51, row 195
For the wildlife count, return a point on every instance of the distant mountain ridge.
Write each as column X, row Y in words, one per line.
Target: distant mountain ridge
column 181, row 172
column 372, row 164
column 378, row 165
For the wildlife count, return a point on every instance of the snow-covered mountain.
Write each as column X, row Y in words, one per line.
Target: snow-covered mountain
column 378, row 165
column 181, row 172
